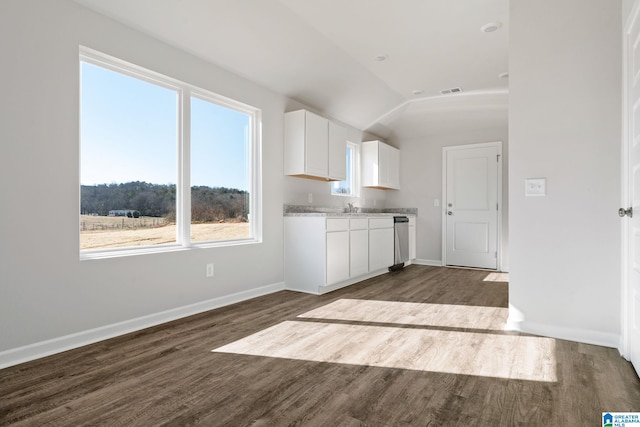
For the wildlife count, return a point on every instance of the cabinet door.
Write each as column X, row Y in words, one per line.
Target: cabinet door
column 380, row 248
column 359, row 252
column 316, row 145
column 383, row 164
column 393, row 167
column 412, row 242
column 294, row 142
column 380, row 165
column 337, row 256
column 304, row 253
column 369, row 164
column 337, row 152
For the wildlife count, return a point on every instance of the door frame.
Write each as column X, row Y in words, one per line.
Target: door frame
column 445, row 150
column 626, row 300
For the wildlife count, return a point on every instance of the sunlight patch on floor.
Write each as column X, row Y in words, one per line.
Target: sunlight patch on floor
column 497, row 277
column 464, row 353
column 411, row 313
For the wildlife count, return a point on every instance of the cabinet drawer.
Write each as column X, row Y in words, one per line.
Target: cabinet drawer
column 359, row 223
column 338, row 224
column 386, row 222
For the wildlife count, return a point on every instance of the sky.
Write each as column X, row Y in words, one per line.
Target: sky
column 129, row 133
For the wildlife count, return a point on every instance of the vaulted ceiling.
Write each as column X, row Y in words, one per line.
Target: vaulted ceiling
column 325, row 54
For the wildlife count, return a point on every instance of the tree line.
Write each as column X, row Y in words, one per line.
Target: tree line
column 208, row 204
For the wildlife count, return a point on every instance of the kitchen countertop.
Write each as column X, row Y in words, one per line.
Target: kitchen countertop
column 302, row 210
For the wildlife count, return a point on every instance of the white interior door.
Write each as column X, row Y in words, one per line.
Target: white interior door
column 631, row 191
column 471, row 205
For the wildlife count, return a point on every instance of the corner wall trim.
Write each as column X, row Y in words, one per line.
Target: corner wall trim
column 41, row 349
column 585, row 336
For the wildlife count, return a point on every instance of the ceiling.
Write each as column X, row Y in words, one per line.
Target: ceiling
column 322, row 54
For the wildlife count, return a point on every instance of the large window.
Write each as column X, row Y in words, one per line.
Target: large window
column 349, row 187
column 163, row 165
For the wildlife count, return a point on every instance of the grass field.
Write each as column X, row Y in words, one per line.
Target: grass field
column 101, row 232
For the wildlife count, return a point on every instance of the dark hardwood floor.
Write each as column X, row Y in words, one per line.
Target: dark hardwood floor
column 168, row 375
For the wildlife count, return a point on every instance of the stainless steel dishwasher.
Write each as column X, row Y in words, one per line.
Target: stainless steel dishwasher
column 401, row 242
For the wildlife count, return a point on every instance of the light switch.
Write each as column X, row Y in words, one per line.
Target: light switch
column 535, row 187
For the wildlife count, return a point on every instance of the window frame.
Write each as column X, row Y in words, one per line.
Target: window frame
column 355, row 172
column 185, row 92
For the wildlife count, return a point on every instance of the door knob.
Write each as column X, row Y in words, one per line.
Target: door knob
column 449, row 213
column 622, row 212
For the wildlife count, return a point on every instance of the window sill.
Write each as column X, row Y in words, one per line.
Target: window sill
column 126, row 252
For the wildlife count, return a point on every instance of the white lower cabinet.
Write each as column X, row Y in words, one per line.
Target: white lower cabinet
column 323, row 254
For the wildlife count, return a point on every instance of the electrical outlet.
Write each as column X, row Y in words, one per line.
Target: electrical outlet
column 310, row 198
column 209, row 270
column 535, row 187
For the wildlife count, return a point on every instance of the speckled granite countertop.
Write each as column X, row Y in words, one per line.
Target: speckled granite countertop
column 302, row 210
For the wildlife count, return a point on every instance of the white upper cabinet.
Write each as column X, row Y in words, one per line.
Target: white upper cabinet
column 380, row 165
column 314, row 147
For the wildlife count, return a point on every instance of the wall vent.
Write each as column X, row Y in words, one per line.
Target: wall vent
column 452, row 90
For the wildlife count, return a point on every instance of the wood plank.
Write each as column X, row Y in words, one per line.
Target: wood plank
column 167, row 375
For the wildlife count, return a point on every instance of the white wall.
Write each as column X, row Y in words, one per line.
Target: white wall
column 565, row 125
column 46, row 292
column 296, row 191
column 421, row 183
column 626, row 10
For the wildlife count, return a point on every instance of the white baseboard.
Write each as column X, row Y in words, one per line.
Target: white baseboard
column 431, row 262
column 570, row 334
column 329, row 288
column 57, row 345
